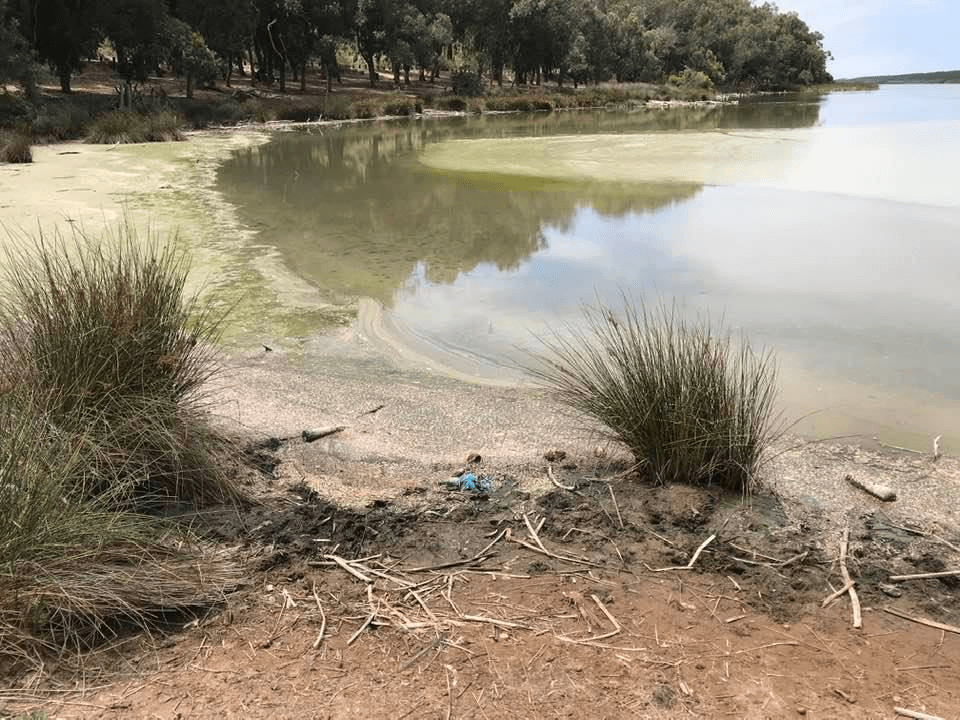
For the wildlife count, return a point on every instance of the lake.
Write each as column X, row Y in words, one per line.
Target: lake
column 827, row 229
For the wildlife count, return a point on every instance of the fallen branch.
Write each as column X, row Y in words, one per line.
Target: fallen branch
column 323, row 619
column 616, row 506
column 557, row 482
column 689, row 565
column 854, row 598
column 881, row 492
column 493, row 621
column 915, row 714
column 924, row 576
column 922, row 621
column 833, row 596
column 555, row 556
column 362, row 628
column 346, row 566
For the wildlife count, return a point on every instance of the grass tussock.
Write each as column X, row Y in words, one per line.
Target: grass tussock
column 691, row 404
column 103, row 361
column 126, row 126
column 15, row 148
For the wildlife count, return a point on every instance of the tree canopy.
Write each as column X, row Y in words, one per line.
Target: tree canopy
column 724, row 43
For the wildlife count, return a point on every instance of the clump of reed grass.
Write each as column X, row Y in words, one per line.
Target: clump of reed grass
column 117, row 354
column 15, row 148
column 128, row 126
column 103, row 359
column 690, row 403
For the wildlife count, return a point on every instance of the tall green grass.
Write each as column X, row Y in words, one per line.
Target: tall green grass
column 692, row 404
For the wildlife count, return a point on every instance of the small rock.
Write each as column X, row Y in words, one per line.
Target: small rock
column 554, row 455
column 473, row 458
column 891, row 590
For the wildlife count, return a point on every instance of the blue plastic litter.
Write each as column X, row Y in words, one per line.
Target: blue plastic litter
column 470, row 483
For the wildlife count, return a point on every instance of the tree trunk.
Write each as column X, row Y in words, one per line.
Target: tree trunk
column 371, row 69
column 406, row 74
column 396, row 74
column 303, row 76
column 64, row 73
column 229, row 69
column 189, row 85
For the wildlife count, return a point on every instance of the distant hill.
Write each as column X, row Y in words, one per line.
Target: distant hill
column 946, row 76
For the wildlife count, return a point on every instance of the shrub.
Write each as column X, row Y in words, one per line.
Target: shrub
column 466, row 83
column 15, row 148
column 403, row 108
column 691, row 405
column 127, row 126
column 691, row 79
column 451, row 103
column 365, row 110
column 337, row 107
column 61, row 123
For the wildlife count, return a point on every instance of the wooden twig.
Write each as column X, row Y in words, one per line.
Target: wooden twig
column 533, row 533
column 606, row 612
column 493, row 621
column 854, row 598
column 557, row 482
column 361, row 628
column 479, row 557
column 323, row 619
column 616, row 506
column 689, row 565
column 346, row 566
column 915, row 714
column 944, row 542
column 881, row 492
column 922, row 621
column 834, row 595
column 555, row 556
column 923, row 576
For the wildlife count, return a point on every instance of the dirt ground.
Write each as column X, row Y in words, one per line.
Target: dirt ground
column 374, row 590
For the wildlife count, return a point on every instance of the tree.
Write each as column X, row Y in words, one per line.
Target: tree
column 18, row 62
column 137, row 29
column 62, row 31
column 226, row 25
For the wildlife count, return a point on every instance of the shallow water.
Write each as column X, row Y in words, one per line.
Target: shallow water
column 825, row 229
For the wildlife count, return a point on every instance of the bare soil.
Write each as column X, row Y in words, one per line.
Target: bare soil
column 596, row 629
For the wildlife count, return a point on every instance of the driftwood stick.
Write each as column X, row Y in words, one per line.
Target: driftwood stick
column 689, row 565
column 557, row 482
column 323, row 619
column 915, row 714
column 700, row 549
column 616, row 506
column 833, row 596
column 533, row 533
column 361, row 628
column 493, row 621
column 606, row 612
column 944, row 542
column 346, row 566
column 854, row 598
column 555, row 556
column 923, row 621
column 881, row 492
column 923, row 576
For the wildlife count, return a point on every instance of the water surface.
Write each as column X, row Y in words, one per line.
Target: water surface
column 826, row 229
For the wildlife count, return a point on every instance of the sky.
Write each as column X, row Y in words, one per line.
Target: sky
column 884, row 37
